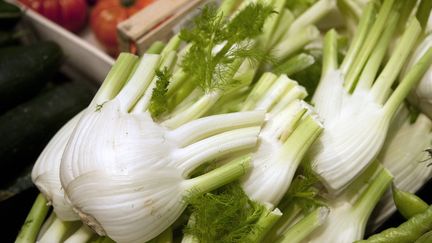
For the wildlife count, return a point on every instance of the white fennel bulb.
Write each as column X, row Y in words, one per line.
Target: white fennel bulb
column 405, row 157
column 350, row 212
column 46, row 171
column 127, row 175
column 289, row 131
column 355, row 103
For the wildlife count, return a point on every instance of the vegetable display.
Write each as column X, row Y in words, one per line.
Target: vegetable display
column 211, row 137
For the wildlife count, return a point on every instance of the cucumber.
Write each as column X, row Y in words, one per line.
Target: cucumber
column 24, row 70
column 26, row 129
column 10, row 15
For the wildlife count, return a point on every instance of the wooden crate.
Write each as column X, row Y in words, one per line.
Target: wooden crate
column 156, row 22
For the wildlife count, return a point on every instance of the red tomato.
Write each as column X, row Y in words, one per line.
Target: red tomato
column 107, row 14
column 71, row 14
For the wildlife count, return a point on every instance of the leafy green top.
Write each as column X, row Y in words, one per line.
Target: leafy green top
column 158, row 102
column 219, row 46
column 225, row 215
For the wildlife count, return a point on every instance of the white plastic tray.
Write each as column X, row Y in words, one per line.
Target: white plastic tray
column 82, row 52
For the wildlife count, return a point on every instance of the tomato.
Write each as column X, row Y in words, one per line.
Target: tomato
column 71, row 14
column 107, row 14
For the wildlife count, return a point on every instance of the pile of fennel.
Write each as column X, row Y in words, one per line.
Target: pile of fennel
column 215, row 127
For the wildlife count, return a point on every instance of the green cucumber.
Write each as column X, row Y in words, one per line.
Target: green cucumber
column 24, row 70
column 26, row 129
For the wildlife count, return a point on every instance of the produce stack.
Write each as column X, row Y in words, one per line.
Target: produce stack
column 211, row 137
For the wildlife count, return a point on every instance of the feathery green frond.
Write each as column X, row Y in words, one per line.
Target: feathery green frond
column 158, row 102
column 218, row 46
column 226, row 215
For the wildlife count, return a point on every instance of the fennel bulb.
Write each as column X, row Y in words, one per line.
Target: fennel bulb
column 126, row 175
column 46, row 171
column 355, row 105
column 289, row 131
column 350, row 212
column 404, row 156
column 290, row 128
